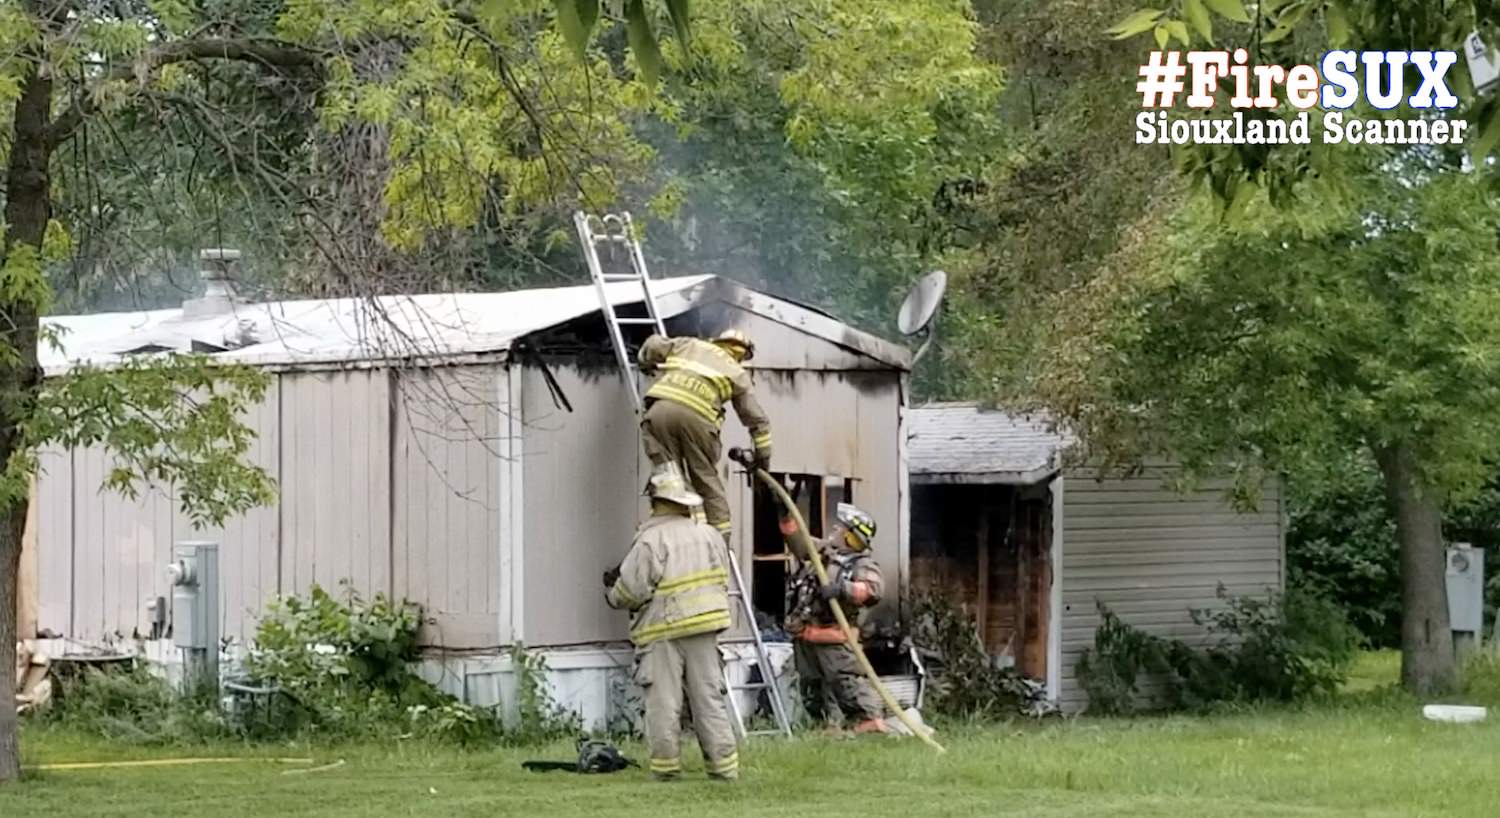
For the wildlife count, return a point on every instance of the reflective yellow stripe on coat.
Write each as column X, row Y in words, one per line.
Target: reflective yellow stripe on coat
column 662, row 390
column 677, row 585
column 708, row 622
column 718, row 379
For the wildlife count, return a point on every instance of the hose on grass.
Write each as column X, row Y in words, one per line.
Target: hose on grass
column 164, row 762
column 851, row 639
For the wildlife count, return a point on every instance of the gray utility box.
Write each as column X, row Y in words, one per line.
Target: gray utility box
column 195, row 607
column 1465, row 577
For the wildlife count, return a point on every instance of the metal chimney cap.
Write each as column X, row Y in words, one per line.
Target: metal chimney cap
column 217, row 274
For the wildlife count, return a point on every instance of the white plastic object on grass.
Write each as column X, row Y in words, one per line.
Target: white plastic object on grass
column 1454, row 713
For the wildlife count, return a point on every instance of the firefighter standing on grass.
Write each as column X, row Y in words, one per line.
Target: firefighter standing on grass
column 685, row 410
column 675, row 582
column 830, row 674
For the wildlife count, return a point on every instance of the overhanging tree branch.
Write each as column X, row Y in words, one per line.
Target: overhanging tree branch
column 268, row 53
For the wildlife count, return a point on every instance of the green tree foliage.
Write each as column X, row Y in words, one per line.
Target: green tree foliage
column 392, row 146
column 1056, row 201
column 1295, row 32
column 577, row 19
column 816, row 144
column 1341, row 542
column 747, row 159
column 1293, row 337
column 66, row 66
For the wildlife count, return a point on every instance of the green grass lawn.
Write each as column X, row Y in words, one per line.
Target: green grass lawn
column 1371, row 755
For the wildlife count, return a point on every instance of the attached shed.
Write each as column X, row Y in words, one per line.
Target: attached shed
column 1033, row 546
column 476, row 453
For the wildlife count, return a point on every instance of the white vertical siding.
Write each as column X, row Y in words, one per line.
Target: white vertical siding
column 54, row 540
column 335, row 480
column 102, row 556
column 446, row 502
column 466, row 489
column 583, row 499
column 1151, row 556
column 120, row 550
column 248, row 543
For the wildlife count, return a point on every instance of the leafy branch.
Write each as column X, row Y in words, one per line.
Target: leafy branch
column 165, row 421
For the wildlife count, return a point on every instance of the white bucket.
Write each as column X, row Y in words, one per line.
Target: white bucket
column 741, row 657
column 903, row 688
column 1454, row 713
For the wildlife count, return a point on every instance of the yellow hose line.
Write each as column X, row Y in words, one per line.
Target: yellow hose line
column 163, row 762
column 850, row 638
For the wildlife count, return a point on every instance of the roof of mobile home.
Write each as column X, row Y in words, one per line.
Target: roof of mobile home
column 406, row 327
column 965, row 443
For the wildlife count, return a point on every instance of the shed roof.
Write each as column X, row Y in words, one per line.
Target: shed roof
column 964, row 443
column 399, row 327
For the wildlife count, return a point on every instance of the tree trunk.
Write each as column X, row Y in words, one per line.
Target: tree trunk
column 1427, row 663
column 28, row 206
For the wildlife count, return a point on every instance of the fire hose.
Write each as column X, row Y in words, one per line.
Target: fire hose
column 851, row 639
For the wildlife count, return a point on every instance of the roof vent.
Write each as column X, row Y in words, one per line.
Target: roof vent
column 218, row 290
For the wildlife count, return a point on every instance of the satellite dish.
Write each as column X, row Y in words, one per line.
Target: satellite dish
column 919, row 311
column 921, row 304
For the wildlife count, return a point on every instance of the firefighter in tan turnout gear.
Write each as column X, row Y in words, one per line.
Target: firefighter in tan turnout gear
column 675, row 583
column 830, row 674
column 685, row 410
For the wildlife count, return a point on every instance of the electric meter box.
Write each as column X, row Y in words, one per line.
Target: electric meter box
column 1465, row 575
column 194, row 573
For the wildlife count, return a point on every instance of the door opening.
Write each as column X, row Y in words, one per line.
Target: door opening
column 817, row 497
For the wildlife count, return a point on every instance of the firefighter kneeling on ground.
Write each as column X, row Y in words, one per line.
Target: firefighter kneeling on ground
column 675, row 582
column 830, row 674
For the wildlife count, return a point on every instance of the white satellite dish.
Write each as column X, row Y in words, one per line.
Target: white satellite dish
column 918, row 315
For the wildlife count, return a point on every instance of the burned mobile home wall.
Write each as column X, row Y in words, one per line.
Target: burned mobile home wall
column 1033, row 546
column 490, row 480
column 583, row 470
column 987, row 549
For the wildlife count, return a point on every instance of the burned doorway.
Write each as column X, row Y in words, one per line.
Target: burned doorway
column 817, row 498
column 987, row 548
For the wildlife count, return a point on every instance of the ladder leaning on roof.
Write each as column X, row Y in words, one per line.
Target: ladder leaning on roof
column 617, row 229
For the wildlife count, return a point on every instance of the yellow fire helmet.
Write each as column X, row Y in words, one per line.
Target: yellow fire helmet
column 737, row 338
column 857, row 523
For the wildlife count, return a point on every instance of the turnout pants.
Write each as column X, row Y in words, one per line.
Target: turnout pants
column 688, row 668
column 831, row 680
column 672, row 432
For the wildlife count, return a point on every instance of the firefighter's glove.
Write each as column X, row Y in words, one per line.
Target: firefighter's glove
column 831, row 591
column 611, row 577
column 762, row 459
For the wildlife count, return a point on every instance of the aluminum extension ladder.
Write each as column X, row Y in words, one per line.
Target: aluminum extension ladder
column 617, row 230
column 763, row 663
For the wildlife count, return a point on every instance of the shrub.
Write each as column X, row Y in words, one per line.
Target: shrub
column 1111, row 670
column 1341, row 543
column 1481, row 678
column 970, row 685
column 539, row 718
column 347, row 666
column 1283, row 648
column 136, row 707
